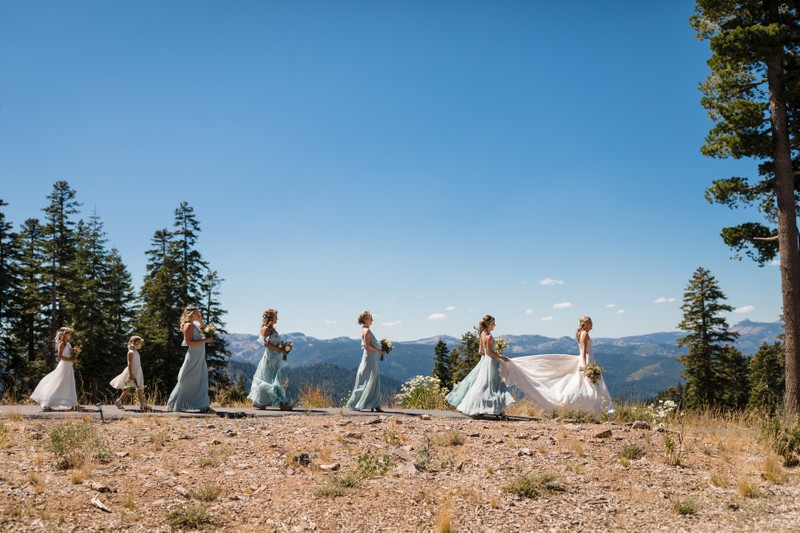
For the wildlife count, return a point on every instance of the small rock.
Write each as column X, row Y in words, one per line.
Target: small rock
column 406, row 469
column 182, row 491
column 603, row 434
column 216, row 442
column 330, row 468
column 302, row 459
column 352, row 435
column 100, row 505
column 524, row 451
column 659, row 429
column 640, row 424
column 374, row 420
column 99, row 487
column 407, row 448
column 425, row 417
column 185, row 437
column 733, row 506
column 474, row 435
column 122, row 454
column 230, row 433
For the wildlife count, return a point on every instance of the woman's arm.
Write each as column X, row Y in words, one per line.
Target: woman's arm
column 188, row 339
column 367, row 343
column 582, row 347
column 61, row 346
column 130, row 364
column 490, row 348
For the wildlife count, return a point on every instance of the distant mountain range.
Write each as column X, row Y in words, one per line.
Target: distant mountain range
column 634, row 367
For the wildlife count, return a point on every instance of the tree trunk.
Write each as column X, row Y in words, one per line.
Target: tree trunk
column 787, row 222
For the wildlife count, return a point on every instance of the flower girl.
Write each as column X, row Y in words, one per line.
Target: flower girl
column 57, row 389
column 132, row 376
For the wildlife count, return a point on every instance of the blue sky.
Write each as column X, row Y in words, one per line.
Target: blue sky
column 429, row 161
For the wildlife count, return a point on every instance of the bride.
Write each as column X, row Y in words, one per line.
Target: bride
column 557, row 381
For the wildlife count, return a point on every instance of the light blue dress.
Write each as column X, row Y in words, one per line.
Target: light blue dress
column 367, row 390
column 191, row 391
column 482, row 392
column 267, row 387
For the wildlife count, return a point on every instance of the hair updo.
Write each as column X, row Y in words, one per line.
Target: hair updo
column 133, row 341
column 63, row 332
column 483, row 325
column 581, row 327
column 188, row 311
column 268, row 319
column 363, row 317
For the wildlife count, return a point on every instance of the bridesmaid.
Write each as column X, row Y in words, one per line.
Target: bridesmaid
column 57, row 389
column 191, row 391
column 267, row 388
column 483, row 392
column 367, row 390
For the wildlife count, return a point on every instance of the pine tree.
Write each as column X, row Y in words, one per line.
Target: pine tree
column 60, row 240
column 11, row 364
column 767, row 378
column 32, row 332
column 465, row 356
column 217, row 352
column 753, row 97
column 732, row 376
column 442, row 369
column 708, row 333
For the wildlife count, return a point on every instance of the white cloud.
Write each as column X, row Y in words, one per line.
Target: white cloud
column 529, row 311
column 392, row 323
column 775, row 262
column 450, row 308
column 619, row 311
column 744, row 310
column 437, row 316
column 663, row 300
column 563, row 305
column 551, row 281
column 546, row 318
column 329, row 321
column 611, row 306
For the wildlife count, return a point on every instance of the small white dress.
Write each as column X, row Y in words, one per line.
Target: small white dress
column 57, row 389
column 136, row 365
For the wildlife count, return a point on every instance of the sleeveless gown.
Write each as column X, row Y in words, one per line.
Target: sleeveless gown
column 483, row 391
column 57, row 389
column 191, row 391
column 367, row 390
column 136, row 365
column 267, row 387
column 554, row 381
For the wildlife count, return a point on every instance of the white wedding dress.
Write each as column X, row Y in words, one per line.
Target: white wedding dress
column 554, row 382
column 57, row 389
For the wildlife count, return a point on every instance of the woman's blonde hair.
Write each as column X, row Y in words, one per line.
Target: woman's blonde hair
column 188, row 311
column 61, row 333
column 581, row 325
column 268, row 318
column 133, row 341
column 484, row 323
column 363, row 317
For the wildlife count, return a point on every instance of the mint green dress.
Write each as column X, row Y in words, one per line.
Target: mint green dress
column 191, row 391
column 267, row 387
column 367, row 390
column 482, row 392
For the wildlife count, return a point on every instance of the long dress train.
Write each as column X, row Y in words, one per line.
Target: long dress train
column 367, row 390
column 57, row 389
column 267, row 387
column 191, row 391
column 555, row 381
column 483, row 391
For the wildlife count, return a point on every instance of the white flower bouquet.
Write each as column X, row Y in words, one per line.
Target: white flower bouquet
column 286, row 346
column 593, row 372
column 500, row 346
column 386, row 346
column 210, row 331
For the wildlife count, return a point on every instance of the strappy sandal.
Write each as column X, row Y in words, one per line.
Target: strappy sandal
column 118, row 405
column 47, row 408
column 285, row 407
column 206, row 411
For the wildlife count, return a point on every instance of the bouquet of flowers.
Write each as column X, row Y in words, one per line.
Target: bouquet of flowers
column 130, row 387
column 593, row 372
column 500, row 345
column 210, row 331
column 286, row 346
column 386, row 346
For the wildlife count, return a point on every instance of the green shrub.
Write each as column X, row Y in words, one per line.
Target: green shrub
column 75, row 443
column 532, row 485
column 684, row 507
column 372, row 465
column 781, row 434
column 631, row 452
column 338, row 485
column 191, row 516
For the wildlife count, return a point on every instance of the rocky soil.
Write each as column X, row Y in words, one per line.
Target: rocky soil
column 393, row 473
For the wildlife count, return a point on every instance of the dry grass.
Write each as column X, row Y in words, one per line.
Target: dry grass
column 773, row 470
column 312, row 396
column 747, row 488
column 524, row 407
column 443, row 521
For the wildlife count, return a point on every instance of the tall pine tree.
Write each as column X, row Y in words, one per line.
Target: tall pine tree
column 708, row 334
column 753, row 97
column 767, row 378
column 442, row 369
column 10, row 360
column 465, row 356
